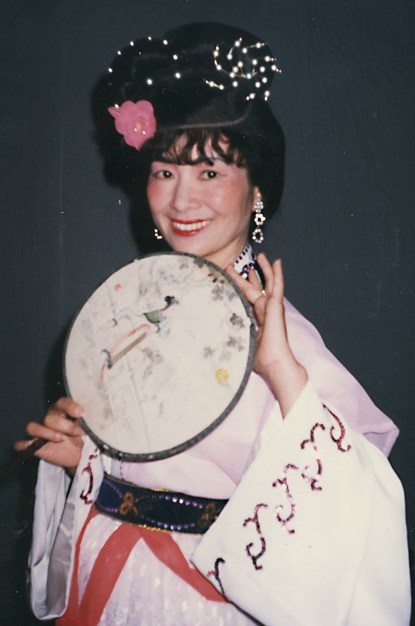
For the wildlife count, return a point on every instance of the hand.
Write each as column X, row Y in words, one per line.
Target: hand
column 274, row 360
column 64, row 435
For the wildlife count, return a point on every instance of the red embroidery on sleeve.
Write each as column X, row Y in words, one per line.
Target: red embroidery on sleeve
column 216, row 575
column 284, row 520
column 85, row 494
column 338, row 440
column 311, row 439
column 255, row 520
column 313, row 480
column 311, row 473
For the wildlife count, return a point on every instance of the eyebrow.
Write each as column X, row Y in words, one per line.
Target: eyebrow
column 200, row 160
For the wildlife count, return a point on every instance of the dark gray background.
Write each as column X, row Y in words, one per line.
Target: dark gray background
column 345, row 229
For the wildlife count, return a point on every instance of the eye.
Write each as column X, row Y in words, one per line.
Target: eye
column 162, row 174
column 209, row 174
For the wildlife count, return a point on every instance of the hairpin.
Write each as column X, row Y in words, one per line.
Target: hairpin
column 240, row 64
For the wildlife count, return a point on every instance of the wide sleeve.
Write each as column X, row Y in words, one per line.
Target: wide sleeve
column 315, row 532
column 50, row 497
column 61, row 507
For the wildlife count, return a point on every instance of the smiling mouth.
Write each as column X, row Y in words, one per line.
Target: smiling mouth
column 189, row 228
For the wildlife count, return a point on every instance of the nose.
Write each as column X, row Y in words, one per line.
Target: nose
column 185, row 196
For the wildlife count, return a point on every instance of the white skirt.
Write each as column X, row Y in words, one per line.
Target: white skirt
column 147, row 592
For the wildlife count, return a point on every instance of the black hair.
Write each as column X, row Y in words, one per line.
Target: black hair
column 196, row 97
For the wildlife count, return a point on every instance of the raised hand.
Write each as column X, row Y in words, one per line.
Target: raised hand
column 64, row 436
column 274, row 360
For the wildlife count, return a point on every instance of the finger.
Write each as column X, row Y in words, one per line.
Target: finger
column 59, row 422
column 278, row 288
column 250, row 287
column 254, row 279
column 267, row 271
column 253, row 293
column 49, row 451
column 54, row 428
column 38, row 431
column 20, row 446
column 69, row 406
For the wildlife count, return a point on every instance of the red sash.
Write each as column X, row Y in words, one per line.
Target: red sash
column 109, row 564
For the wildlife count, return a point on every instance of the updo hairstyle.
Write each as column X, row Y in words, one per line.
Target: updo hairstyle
column 188, row 77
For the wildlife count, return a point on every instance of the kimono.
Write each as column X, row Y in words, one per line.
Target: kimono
column 313, row 533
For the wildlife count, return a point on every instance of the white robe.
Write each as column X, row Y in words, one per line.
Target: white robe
column 340, row 558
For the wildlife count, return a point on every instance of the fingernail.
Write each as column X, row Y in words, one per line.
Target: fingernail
column 60, row 437
column 78, row 411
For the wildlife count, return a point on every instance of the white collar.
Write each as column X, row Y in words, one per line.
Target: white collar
column 245, row 261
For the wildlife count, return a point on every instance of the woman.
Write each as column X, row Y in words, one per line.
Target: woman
column 313, row 532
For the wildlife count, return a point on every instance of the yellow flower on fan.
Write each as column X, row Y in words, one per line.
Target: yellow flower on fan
column 222, row 376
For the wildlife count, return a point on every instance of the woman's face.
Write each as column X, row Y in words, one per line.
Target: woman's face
column 203, row 208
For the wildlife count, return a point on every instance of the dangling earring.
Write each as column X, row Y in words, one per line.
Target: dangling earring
column 259, row 219
column 157, row 234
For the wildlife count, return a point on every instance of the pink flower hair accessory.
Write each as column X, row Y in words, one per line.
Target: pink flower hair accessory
column 135, row 121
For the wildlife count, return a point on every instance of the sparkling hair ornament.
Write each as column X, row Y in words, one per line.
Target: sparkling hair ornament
column 244, row 63
column 247, row 68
